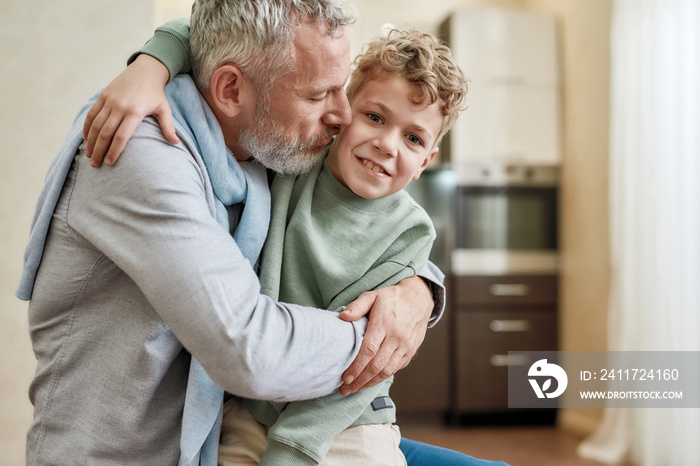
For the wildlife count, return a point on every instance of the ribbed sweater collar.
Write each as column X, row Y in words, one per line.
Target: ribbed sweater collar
column 352, row 200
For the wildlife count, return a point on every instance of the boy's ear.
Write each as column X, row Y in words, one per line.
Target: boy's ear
column 425, row 163
column 230, row 90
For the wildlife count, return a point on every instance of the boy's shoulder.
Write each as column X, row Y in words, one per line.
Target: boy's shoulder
column 409, row 207
column 406, row 199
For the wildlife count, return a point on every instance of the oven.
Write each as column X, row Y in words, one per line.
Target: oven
column 506, row 220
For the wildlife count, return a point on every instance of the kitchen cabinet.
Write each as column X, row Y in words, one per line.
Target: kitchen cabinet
column 462, row 366
column 512, row 60
column 491, row 315
column 421, row 390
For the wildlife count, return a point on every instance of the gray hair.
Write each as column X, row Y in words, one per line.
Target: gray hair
column 256, row 35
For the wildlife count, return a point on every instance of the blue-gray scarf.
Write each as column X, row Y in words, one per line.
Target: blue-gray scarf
column 232, row 183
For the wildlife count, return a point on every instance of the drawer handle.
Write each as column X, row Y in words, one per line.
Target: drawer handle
column 509, row 325
column 504, row 360
column 509, row 289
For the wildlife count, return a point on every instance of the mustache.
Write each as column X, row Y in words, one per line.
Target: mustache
column 326, row 134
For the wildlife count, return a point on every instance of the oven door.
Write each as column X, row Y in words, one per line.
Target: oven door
column 505, row 230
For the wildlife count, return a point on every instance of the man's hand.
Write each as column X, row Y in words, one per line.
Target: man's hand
column 136, row 93
column 396, row 329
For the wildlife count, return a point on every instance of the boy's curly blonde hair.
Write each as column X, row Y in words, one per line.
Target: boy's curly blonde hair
column 424, row 61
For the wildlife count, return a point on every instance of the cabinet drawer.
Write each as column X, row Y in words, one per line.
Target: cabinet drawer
column 531, row 289
column 498, row 331
column 484, row 339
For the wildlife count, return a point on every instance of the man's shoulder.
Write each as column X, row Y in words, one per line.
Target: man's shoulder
column 149, row 150
column 149, row 168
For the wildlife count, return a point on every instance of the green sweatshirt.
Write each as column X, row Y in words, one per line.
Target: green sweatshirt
column 171, row 45
column 325, row 246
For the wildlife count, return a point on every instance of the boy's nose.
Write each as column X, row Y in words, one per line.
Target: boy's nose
column 387, row 143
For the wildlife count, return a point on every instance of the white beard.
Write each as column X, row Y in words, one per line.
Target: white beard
column 269, row 145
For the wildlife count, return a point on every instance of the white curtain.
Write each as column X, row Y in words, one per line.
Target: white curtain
column 655, row 217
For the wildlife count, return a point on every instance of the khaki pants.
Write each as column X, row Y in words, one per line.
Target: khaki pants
column 243, row 441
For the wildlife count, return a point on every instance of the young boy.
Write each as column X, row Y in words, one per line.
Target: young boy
column 348, row 227
column 345, row 228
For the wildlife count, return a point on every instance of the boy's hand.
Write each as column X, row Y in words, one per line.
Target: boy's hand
column 397, row 326
column 136, row 93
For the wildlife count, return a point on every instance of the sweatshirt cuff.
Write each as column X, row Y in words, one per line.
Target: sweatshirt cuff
column 168, row 49
column 434, row 278
column 280, row 454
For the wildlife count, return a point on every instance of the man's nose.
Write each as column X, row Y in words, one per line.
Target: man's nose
column 338, row 113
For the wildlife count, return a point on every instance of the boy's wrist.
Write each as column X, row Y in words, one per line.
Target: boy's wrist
column 152, row 67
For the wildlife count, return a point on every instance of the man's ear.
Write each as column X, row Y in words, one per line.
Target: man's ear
column 230, row 90
column 425, row 163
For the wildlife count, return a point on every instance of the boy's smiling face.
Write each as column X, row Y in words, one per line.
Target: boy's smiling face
column 390, row 140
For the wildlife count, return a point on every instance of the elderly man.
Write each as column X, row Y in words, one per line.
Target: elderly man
column 144, row 308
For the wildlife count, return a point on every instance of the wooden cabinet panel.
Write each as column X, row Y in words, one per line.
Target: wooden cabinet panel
column 531, row 289
column 484, row 338
column 461, row 367
column 423, row 386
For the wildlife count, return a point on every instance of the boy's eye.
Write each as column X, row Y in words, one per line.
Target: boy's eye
column 374, row 117
column 414, row 139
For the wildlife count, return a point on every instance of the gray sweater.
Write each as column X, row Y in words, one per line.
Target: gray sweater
column 136, row 272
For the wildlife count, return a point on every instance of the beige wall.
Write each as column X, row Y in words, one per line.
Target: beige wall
column 585, row 274
column 425, row 16
column 168, row 9
column 53, row 56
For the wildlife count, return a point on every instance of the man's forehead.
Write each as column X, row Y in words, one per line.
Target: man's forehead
column 322, row 60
